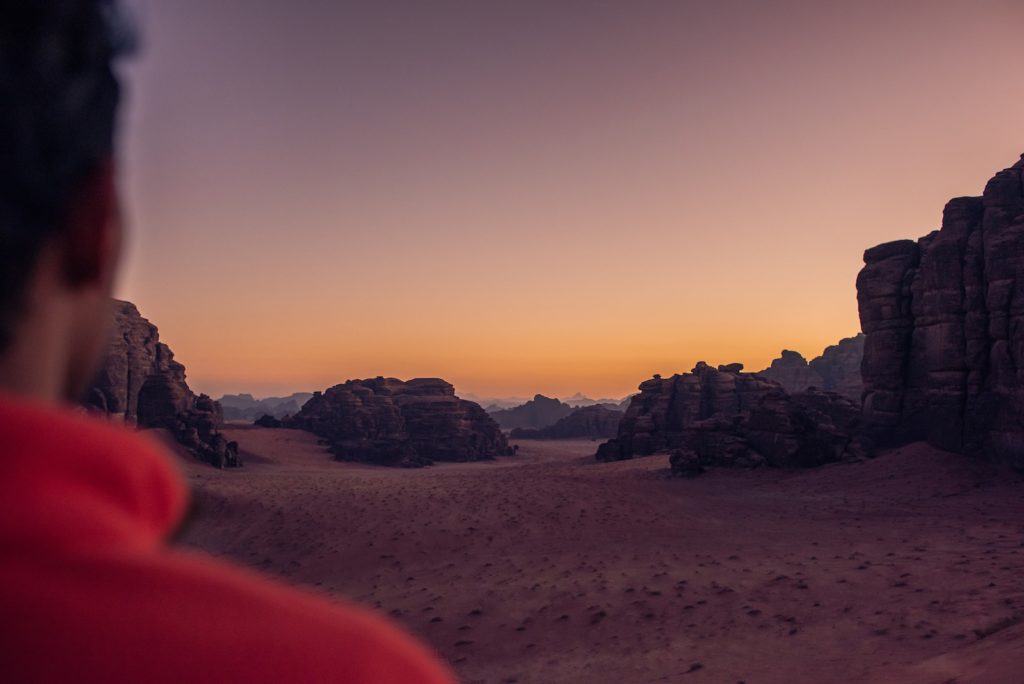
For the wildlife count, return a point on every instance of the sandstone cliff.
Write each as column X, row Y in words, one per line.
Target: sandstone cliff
column 588, row 421
column 391, row 422
column 943, row 321
column 728, row 418
column 141, row 383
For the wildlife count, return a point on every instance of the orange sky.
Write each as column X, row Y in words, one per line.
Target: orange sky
column 541, row 197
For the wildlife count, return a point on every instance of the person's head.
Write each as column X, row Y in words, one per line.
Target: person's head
column 59, row 217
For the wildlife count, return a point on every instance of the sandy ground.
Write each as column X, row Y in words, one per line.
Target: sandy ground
column 549, row 567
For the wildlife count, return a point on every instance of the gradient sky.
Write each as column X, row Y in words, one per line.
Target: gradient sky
column 549, row 196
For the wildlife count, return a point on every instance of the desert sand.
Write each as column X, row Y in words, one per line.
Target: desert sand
column 550, row 567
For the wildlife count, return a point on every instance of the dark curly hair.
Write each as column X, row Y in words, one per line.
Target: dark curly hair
column 58, row 104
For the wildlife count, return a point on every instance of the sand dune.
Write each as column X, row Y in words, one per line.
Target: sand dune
column 549, row 567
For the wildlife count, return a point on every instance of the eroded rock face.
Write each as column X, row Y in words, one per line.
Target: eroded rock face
column 792, row 372
column 836, row 370
column 391, row 422
column 142, row 384
column 730, row 418
column 839, row 367
column 943, row 319
column 585, row 422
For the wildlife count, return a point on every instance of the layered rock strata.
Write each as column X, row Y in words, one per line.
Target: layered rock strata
column 141, row 384
column 944, row 324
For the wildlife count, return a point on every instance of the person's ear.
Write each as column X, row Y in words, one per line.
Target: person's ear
column 92, row 234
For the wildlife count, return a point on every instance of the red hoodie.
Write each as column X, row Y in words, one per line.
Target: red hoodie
column 90, row 590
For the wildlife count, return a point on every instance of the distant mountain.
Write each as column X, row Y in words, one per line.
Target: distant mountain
column 247, row 407
column 495, row 403
column 539, row 412
column 597, row 421
column 580, row 399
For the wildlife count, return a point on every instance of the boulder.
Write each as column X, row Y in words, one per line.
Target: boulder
column 391, row 422
column 943, row 319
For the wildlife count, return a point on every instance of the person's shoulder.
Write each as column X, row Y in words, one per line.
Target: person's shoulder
column 293, row 626
column 176, row 616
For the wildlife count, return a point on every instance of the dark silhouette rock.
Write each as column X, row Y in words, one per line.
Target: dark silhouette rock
column 268, row 421
column 943, row 323
column 539, row 412
column 141, row 384
column 597, row 421
column 729, row 418
column 245, row 407
column 836, row 370
column 391, row 422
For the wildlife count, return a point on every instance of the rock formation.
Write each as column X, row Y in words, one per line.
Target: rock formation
column 539, row 412
column 586, row 422
column 268, row 421
column 579, row 400
column 729, row 418
column 839, row 367
column 792, row 372
column 836, row 370
column 248, row 408
column 391, row 422
column 944, row 325
column 142, row 384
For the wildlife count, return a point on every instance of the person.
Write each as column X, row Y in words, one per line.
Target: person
column 91, row 590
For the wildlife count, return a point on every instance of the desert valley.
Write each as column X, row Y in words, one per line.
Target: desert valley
column 512, row 342
column 852, row 518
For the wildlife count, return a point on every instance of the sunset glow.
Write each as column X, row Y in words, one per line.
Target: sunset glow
column 541, row 197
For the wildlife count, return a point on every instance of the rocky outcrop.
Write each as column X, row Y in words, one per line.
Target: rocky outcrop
column 596, row 421
column 836, row 370
column 539, row 412
column 729, row 418
column 141, row 384
column 944, row 325
column 839, row 367
column 792, row 372
column 391, row 422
